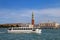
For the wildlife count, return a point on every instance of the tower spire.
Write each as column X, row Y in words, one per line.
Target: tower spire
column 32, row 15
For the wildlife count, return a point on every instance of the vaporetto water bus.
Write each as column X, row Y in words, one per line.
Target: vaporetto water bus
column 23, row 30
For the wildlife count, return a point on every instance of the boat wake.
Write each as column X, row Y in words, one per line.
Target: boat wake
column 38, row 31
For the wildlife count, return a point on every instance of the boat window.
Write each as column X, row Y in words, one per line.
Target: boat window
column 22, row 28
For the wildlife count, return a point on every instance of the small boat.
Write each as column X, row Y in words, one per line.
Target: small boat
column 23, row 30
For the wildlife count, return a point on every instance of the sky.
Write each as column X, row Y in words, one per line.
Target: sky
column 20, row 11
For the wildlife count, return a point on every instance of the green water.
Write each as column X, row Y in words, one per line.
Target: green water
column 47, row 34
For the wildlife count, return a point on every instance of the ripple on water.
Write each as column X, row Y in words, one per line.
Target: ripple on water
column 45, row 35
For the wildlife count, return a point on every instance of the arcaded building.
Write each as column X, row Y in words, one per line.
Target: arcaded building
column 49, row 25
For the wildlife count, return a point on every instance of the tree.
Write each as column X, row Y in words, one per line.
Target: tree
column 17, row 25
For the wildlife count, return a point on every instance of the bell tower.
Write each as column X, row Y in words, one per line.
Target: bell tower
column 32, row 19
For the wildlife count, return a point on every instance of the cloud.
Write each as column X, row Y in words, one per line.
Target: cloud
column 24, row 15
column 51, row 11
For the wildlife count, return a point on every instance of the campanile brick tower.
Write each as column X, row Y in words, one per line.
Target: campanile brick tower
column 33, row 19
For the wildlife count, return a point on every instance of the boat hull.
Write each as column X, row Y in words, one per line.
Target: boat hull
column 24, row 31
column 21, row 31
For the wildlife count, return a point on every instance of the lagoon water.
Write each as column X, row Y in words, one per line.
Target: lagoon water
column 47, row 34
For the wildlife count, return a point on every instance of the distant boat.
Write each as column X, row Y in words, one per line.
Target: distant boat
column 23, row 30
